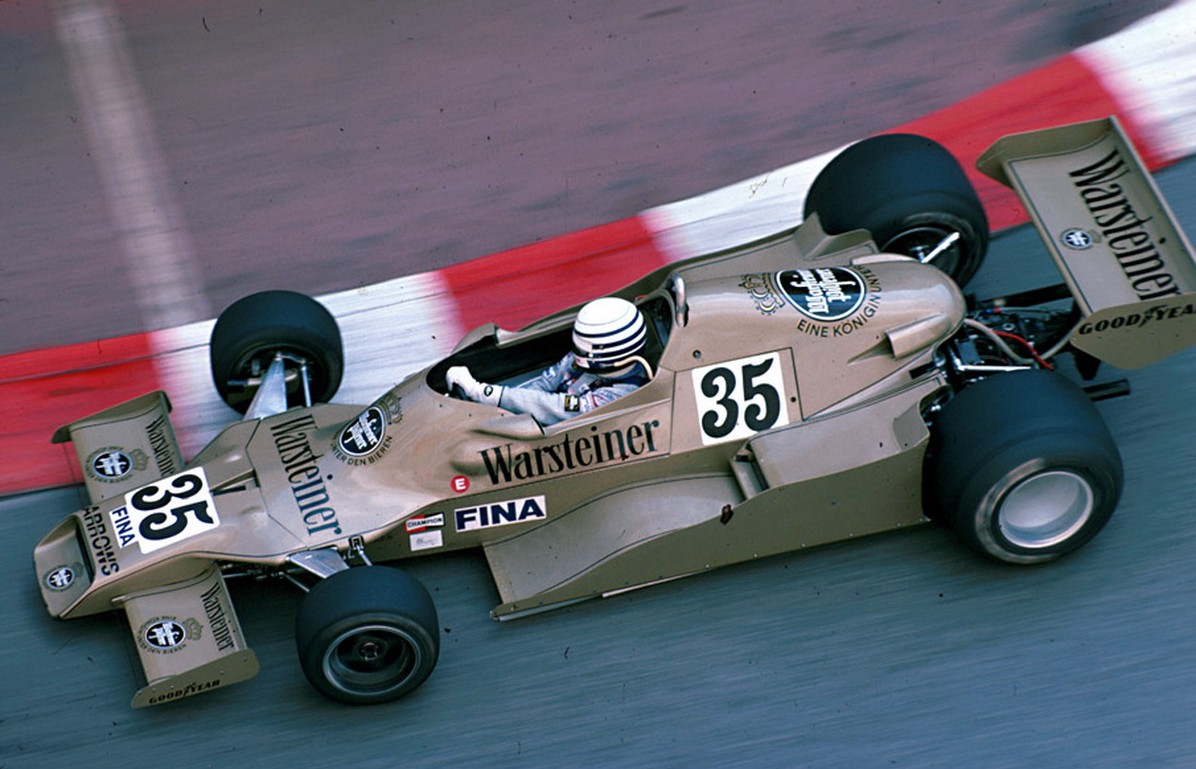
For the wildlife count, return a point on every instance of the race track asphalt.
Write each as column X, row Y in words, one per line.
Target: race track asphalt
column 898, row 650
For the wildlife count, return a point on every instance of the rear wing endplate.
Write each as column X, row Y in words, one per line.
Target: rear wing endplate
column 124, row 447
column 1111, row 233
column 188, row 639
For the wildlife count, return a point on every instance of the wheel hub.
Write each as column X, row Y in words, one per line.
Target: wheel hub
column 1046, row 509
column 371, row 650
column 372, row 658
column 926, row 244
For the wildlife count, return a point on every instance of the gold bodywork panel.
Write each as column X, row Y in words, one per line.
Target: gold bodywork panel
column 809, row 483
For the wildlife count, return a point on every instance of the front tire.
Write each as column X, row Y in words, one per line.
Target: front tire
column 367, row 635
column 252, row 330
column 1022, row 467
column 911, row 194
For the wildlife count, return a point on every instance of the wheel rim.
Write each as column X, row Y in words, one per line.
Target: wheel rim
column 243, row 383
column 929, row 245
column 372, row 659
column 1046, row 509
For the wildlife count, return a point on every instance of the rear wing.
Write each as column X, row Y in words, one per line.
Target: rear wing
column 124, row 447
column 1112, row 235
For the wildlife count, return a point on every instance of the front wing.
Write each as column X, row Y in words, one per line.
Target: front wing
column 188, row 639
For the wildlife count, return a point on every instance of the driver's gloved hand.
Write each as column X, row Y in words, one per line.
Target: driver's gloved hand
column 459, row 378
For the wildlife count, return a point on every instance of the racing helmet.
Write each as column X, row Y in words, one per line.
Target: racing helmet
column 607, row 333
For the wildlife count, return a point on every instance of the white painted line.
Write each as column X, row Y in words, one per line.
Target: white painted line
column 736, row 214
column 391, row 330
column 157, row 251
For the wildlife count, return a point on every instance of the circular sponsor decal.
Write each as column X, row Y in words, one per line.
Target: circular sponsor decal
column 824, row 294
column 460, row 484
column 1077, row 239
column 364, row 434
column 60, row 579
column 110, row 464
column 164, row 634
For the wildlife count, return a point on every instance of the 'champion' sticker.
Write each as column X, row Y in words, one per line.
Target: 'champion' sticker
column 424, row 522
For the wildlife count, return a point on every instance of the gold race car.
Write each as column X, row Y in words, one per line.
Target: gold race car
column 823, row 384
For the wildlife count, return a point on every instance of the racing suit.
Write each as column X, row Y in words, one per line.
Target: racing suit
column 561, row 391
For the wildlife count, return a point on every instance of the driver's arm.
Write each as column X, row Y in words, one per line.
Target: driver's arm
column 551, row 378
column 549, row 408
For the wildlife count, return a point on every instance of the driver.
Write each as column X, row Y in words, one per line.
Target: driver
column 603, row 366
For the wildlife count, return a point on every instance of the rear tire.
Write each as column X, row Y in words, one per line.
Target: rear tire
column 910, row 193
column 1022, row 467
column 252, row 330
column 367, row 635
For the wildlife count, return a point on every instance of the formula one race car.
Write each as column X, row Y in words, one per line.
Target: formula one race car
column 823, row 384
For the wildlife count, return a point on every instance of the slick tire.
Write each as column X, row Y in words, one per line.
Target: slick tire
column 367, row 635
column 911, row 194
column 252, row 330
column 1022, row 467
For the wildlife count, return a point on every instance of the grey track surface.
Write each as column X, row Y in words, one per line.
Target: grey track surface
column 899, row 650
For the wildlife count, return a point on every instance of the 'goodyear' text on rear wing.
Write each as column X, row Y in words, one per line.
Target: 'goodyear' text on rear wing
column 1112, row 235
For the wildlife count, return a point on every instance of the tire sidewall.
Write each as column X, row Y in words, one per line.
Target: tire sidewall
column 319, row 647
column 989, row 489
column 357, row 598
column 884, row 183
column 276, row 321
column 1003, row 430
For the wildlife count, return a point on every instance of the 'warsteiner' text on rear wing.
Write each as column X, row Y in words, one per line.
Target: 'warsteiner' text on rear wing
column 1112, row 235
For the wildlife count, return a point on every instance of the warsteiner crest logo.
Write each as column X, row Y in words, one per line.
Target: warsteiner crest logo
column 825, row 294
column 364, row 439
column 1077, row 239
column 163, row 635
column 364, row 434
column 62, row 577
column 112, row 464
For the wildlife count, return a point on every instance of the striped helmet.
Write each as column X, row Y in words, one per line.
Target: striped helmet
column 607, row 332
